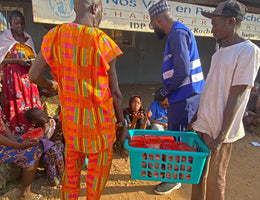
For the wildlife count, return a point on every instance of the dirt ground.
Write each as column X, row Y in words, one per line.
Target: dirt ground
column 242, row 178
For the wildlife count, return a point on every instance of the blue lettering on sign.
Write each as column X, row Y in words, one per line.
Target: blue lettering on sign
column 252, row 18
column 183, row 9
column 249, row 18
column 124, row 2
column 148, row 3
column 131, row 3
column 62, row 8
column 115, row 1
column 199, row 10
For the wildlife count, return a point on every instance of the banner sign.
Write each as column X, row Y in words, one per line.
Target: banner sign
column 132, row 15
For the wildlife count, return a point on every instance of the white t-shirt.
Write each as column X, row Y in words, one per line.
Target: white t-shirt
column 230, row 66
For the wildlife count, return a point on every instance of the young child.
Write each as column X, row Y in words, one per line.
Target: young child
column 53, row 155
column 135, row 115
column 159, row 118
column 23, row 153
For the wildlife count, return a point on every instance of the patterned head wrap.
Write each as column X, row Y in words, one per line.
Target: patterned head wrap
column 158, row 8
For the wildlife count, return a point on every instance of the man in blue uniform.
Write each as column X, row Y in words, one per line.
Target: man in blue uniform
column 182, row 74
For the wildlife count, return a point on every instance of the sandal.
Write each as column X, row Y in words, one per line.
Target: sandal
column 37, row 197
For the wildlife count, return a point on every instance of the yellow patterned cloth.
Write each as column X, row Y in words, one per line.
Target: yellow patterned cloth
column 51, row 105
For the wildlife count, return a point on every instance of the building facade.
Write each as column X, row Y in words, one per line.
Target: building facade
column 143, row 52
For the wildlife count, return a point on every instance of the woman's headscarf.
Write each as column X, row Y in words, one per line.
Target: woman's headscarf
column 129, row 110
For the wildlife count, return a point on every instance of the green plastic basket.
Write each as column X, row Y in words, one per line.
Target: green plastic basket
column 168, row 165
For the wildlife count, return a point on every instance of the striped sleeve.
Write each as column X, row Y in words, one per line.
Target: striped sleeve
column 108, row 47
column 50, row 50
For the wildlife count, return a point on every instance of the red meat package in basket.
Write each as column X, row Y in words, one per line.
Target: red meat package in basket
column 168, row 143
column 35, row 134
column 185, row 147
column 152, row 142
column 137, row 141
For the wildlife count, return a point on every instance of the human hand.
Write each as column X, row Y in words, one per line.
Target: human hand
column 189, row 128
column 138, row 115
column 54, row 85
column 165, row 124
column 148, row 114
column 214, row 144
column 217, row 144
column 158, row 96
column 24, row 62
column 28, row 143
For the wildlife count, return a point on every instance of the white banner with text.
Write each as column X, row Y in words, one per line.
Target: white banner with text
column 132, row 15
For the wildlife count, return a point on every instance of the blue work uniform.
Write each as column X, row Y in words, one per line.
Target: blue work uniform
column 182, row 76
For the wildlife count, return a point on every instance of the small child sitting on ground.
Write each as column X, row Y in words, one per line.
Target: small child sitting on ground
column 159, row 118
column 135, row 115
column 53, row 155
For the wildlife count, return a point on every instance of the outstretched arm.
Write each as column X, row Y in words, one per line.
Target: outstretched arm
column 9, row 140
column 154, row 121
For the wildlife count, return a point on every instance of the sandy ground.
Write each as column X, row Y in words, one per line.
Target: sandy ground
column 242, row 178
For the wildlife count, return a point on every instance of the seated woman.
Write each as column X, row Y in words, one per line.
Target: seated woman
column 159, row 118
column 24, row 153
column 54, row 148
column 135, row 115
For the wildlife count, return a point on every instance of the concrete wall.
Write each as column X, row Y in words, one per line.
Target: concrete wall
column 142, row 64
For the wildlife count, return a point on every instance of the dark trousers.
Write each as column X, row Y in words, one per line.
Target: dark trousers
column 181, row 113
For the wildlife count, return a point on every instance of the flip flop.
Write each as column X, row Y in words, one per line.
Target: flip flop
column 37, row 197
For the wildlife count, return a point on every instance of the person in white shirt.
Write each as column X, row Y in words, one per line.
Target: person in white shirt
column 225, row 95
